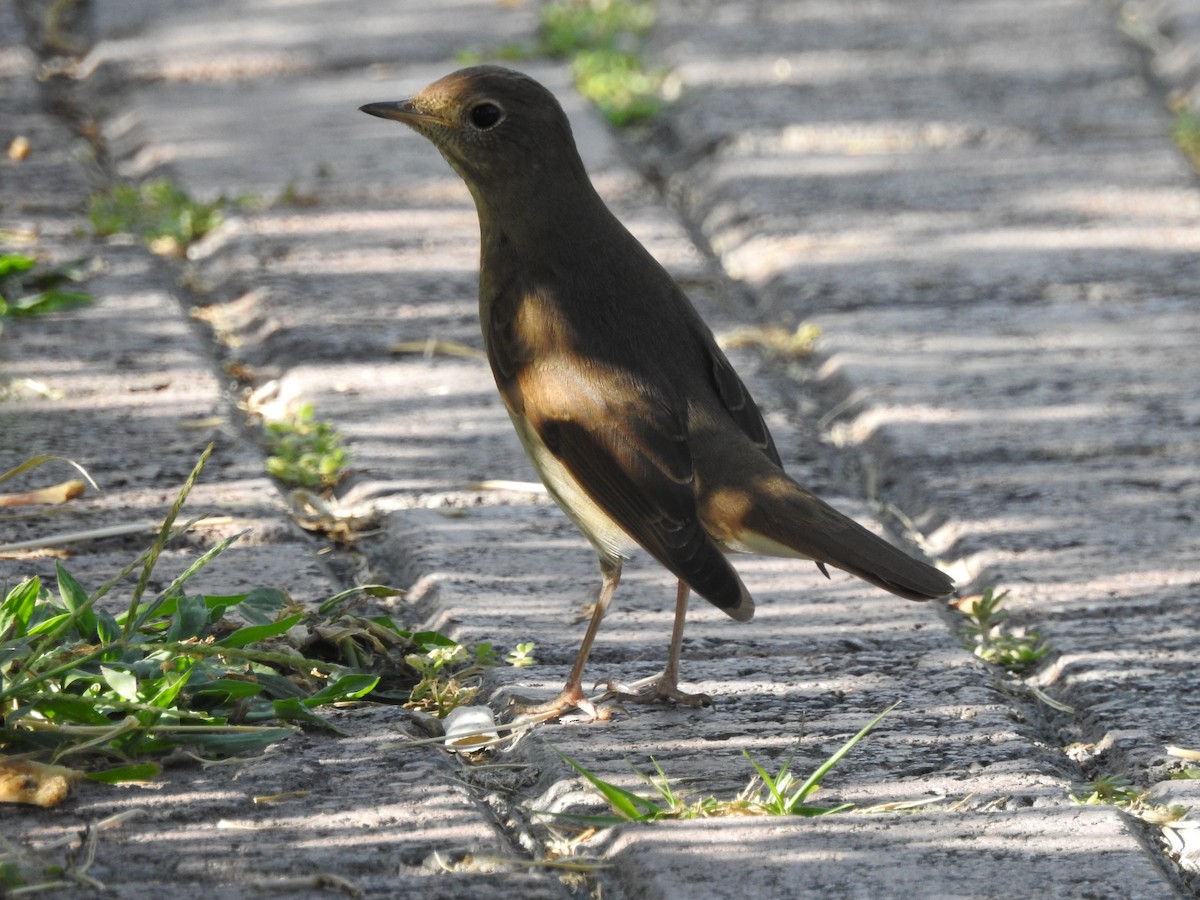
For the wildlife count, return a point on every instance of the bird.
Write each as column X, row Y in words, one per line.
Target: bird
column 628, row 409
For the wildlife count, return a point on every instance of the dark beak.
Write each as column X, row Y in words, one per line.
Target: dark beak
column 402, row 111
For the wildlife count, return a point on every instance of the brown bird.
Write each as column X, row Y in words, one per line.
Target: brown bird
column 630, row 412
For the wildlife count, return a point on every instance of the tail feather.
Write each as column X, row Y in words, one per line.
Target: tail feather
column 787, row 520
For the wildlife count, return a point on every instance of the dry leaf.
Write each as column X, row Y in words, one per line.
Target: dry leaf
column 35, row 783
column 18, row 149
column 56, row 493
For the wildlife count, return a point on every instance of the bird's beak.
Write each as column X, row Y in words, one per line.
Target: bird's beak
column 402, row 111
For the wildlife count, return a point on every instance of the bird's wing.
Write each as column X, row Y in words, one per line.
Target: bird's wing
column 738, row 402
column 625, row 444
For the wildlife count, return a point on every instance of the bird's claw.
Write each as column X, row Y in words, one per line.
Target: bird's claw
column 529, row 710
column 654, row 690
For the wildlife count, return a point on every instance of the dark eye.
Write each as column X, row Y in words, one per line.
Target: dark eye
column 485, row 115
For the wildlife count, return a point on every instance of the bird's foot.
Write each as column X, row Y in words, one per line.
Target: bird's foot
column 654, row 690
column 527, row 710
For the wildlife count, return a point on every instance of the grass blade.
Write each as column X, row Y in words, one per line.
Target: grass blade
column 160, row 542
column 624, row 803
column 814, row 780
column 34, row 461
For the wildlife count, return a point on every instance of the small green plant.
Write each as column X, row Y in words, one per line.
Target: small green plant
column 521, row 656
column 158, row 212
column 603, row 39
column 448, row 672
column 1186, row 753
column 1186, row 132
column 1119, row 791
column 619, row 84
column 305, row 452
column 1114, row 790
column 781, row 794
column 630, row 807
column 177, row 670
column 28, row 288
column 989, row 637
column 569, row 26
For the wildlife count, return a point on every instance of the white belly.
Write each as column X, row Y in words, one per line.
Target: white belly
column 610, row 541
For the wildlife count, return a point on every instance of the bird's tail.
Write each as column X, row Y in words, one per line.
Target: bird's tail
column 780, row 518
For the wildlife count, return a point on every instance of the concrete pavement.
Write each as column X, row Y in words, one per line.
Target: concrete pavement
column 981, row 208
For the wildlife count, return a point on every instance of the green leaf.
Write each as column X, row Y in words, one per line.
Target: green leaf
column 122, row 681
column 17, row 608
column 262, row 605
column 140, row 772
column 169, row 687
column 47, row 302
column 61, row 708
column 767, row 780
column 75, row 598
column 45, row 279
column 231, row 689
column 371, row 590
column 388, row 623
column 293, row 709
column 277, row 686
column 167, row 605
column 107, row 626
column 252, row 633
column 14, row 650
column 348, row 687
column 49, row 624
column 15, row 263
column 429, row 639
column 239, row 743
column 242, row 742
column 147, row 616
column 190, row 619
column 10, row 873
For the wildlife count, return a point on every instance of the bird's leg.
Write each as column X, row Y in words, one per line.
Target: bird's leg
column 666, row 685
column 572, row 696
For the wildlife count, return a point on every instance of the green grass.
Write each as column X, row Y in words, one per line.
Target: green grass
column 778, row 794
column 569, row 26
column 1111, row 789
column 158, row 212
column 304, row 451
column 603, row 39
column 29, row 288
column 990, row 637
column 623, row 89
column 1186, row 132
column 211, row 675
column 1119, row 791
column 448, row 673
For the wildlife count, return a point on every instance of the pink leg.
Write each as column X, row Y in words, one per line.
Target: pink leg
column 572, row 696
column 666, row 685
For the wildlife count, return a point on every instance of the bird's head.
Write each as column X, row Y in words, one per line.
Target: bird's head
column 503, row 132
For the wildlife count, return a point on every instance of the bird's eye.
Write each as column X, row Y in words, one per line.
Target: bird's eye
column 485, row 115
